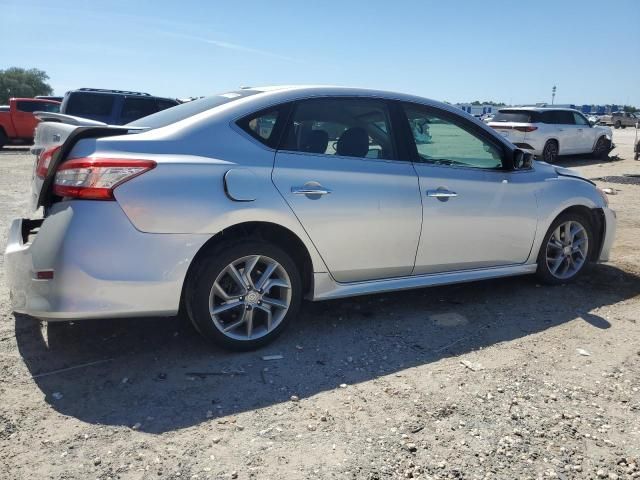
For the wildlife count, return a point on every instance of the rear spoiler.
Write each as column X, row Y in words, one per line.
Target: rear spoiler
column 45, row 195
column 63, row 118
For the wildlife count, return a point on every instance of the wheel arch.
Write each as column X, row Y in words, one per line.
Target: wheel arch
column 595, row 215
column 268, row 231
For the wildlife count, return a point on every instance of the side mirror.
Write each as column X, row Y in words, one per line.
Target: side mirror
column 522, row 160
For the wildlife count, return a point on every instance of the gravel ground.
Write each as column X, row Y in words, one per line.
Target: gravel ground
column 501, row 379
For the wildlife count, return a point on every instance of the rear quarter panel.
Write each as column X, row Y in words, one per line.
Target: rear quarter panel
column 185, row 193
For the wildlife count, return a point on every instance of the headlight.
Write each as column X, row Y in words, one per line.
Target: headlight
column 605, row 199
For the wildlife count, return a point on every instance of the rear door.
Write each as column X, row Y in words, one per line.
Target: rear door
column 476, row 213
column 339, row 170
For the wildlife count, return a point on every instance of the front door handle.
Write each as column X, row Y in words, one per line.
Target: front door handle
column 310, row 190
column 441, row 193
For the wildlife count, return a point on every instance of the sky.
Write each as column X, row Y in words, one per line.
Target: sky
column 454, row 50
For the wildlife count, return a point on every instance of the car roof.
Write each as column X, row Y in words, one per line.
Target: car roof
column 43, row 100
column 540, row 109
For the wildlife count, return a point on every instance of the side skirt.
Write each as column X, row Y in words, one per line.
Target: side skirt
column 326, row 288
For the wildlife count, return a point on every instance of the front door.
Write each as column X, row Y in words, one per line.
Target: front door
column 338, row 171
column 476, row 214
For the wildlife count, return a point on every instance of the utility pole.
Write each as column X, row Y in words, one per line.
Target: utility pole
column 553, row 94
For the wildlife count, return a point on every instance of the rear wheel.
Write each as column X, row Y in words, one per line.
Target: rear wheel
column 243, row 296
column 618, row 124
column 3, row 139
column 601, row 150
column 550, row 151
column 565, row 250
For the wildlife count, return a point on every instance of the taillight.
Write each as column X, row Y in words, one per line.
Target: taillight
column 95, row 178
column 530, row 128
column 44, row 159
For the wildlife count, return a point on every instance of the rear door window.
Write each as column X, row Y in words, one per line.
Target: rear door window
column 346, row 127
column 89, row 104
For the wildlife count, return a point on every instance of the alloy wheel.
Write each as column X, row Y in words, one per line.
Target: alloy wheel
column 250, row 297
column 550, row 152
column 567, row 249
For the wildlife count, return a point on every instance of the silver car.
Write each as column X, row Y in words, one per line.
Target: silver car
column 238, row 206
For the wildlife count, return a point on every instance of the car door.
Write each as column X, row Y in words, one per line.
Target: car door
column 568, row 135
column 585, row 135
column 338, row 170
column 476, row 214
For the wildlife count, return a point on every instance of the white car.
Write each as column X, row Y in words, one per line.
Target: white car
column 550, row 132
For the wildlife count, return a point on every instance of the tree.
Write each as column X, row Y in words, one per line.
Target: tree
column 629, row 108
column 20, row 82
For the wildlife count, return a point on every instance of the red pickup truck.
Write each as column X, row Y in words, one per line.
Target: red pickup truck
column 17, row 121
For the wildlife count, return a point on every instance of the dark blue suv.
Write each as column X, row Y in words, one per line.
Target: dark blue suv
column 114, row 107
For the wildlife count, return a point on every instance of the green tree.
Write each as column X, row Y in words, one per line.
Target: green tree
column 629, row 108
column 20, row 82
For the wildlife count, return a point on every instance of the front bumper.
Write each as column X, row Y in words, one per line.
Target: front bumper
column 102, row 266
column 610, row 222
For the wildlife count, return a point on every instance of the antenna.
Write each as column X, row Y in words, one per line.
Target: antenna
column 553, row 94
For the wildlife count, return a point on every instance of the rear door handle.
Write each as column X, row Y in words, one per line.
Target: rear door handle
column 310, row 190
column 441, row 193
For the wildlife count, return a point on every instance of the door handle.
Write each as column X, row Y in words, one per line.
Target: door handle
column 579, row 129
column 441, row 193
column 310, row 190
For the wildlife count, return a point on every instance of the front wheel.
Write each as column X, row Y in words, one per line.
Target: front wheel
column 243, row 296
column 565, row 250
column 601, row 150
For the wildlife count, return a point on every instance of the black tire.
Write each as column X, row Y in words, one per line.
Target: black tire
column 601, row 149
column 550, row 151
column 3, row 139
column 618, row 124
column 201, row 281
column 543, row 272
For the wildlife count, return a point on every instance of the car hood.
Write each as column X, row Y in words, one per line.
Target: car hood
column 555, row 171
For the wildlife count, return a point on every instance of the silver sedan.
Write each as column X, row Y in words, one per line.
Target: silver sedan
column 238, row 206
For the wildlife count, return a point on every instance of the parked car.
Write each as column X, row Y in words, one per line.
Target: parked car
column 620, row 119
column 17, row 122
column 347, row 192
column 550, row 132
column 113, row 107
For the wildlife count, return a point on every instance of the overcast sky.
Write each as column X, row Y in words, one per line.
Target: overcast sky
column 506, row 51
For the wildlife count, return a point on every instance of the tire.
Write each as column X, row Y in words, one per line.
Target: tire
column 617, row 124
column 550, row 151
column 252, row 316
column 601, row 149
column 3, row 139
column 556, row 265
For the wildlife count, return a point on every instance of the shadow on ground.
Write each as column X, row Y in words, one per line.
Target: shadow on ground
column 575, row 161
column 173, row 377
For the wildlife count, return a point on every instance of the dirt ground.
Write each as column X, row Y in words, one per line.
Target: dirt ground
column 503, row 379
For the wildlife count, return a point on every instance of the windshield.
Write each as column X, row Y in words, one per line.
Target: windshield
column 519, row 116
column 186, row 110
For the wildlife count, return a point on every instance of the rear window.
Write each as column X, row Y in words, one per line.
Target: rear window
column 26, row 106
column 189, row 109
column 83, row 104
column 518, row 116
